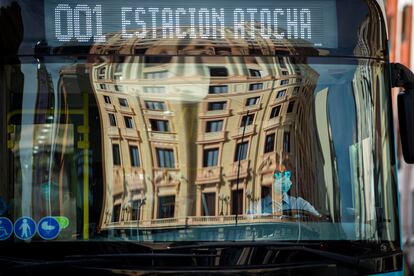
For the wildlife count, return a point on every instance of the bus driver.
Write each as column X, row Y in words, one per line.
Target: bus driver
column 283, row 182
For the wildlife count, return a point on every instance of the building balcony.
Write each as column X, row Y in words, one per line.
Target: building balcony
column 118, row 180
column 166, row 176
column 235, row 172
column 112, row 131
column 267, row 164
column 130, row 133
column 126, row 110
column 290, row 118
column 208, row 175
column 272, row 123
column 252, row 108
column 245, row 131
column 211, row 137
column 201, row 221
column 148, row 112
column 135, row 178
column 109, row 107
column 162, row 136
column 215, row 114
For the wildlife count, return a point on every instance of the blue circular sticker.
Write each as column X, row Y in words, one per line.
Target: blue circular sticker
column 6, row 228
column 48, row 228
column 25, row 228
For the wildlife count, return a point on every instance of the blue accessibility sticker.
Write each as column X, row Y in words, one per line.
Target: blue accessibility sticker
column 25, row 228
column 6, row 228
column 48, row 228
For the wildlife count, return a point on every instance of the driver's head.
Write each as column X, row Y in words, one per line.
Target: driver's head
column 284, row 176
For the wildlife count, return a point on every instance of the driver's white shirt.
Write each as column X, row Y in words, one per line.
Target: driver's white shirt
column 297, row 203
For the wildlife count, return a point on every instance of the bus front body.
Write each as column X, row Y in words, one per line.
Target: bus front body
column 189, row 136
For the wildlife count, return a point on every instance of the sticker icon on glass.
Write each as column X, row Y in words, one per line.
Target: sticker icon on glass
column 48, row 228
column 6, row 228
column 25, row 228
column 63, row 222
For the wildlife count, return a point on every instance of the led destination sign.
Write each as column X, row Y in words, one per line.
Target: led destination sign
column 303, row 22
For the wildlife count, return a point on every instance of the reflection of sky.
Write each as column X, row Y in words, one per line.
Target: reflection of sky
column 342, row 118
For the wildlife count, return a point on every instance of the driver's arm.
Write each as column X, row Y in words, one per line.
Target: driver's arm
column 306, row 206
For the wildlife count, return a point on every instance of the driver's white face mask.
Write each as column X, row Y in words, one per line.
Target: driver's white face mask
column 283, row 181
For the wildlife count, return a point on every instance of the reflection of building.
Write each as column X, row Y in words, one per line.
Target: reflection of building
column 196, row 139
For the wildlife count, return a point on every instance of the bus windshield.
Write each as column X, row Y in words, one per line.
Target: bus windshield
column 167, row 123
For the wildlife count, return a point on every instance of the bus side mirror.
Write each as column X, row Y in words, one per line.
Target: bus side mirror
column 405, row 104
column 403, row 77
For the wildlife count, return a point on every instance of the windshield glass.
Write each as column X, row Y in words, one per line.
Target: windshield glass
column 204, row 143
column 193, row 140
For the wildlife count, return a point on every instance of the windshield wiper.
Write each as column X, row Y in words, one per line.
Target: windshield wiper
column 366, row 263
column 204, row 255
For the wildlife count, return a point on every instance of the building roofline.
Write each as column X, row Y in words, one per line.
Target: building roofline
column 384, row 14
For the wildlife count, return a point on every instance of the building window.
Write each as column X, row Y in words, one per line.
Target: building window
column 112, row 120
column 214, row 126
column 256, row 86
column 166, row 207
column 255, row 73
column 118, row 88
column 218, row 72
column 218, row 89
column 116, row 155
column 281, row 94
column 155, row 61
column 252, row 101
column 247, row 120
column 156, row 75
column 285, row 73
column 116, row 213
column 286, row 141
column 134, row 154
column 165, row 158
column 290, row 107
column 282, row 62
column 208, row 201
column 123, row 102
column 275, row 112
column 269, row 143
column 296, row 90
column 118, row 71
column 102, row 86
column 216, row 106
column 152, row 105
column 101, row 73
column 107, row 99
column 154, row 89
column 129, row 123
column 210, row 157
column 284, row 82
column 237, row 202
column 159, row 125
column 241, row 151
column 136, row 210
column 266, row 200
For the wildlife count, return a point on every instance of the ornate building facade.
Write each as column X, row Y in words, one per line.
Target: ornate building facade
column 193, row 133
